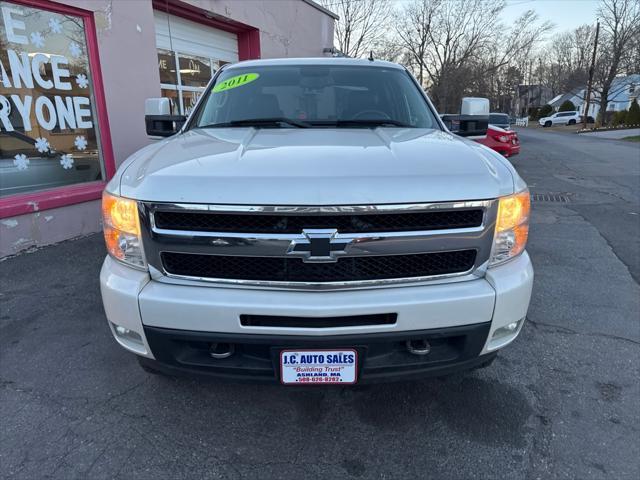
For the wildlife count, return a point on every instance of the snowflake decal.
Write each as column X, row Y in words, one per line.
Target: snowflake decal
column 36, row 39
column 80, row 143
column 82, row 80
column 42, row 144
column 21, row 161
column 66, row 161
column 54, row 25
column 75, row 50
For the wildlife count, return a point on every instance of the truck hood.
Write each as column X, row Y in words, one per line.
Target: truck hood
column 315, row 167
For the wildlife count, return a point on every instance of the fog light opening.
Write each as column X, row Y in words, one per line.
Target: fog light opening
column 418, row 347
column 127, row 335
column 508, row 330
column 221, row 350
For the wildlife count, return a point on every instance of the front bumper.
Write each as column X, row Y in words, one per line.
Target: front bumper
column 162, row 315
column 513, row 150
column 382, row 356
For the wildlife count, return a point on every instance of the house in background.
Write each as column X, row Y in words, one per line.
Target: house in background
column 575, row 96
column 530, row 96
column 623, row 91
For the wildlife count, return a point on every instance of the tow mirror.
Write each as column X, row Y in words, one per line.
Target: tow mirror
column 474, row 117
column 159, row 118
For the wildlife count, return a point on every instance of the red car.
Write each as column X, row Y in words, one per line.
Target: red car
column 502, row 141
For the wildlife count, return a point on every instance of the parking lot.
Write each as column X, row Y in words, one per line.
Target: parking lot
column 560, row 402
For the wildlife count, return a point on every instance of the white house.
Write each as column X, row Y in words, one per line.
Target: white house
column 623, row 91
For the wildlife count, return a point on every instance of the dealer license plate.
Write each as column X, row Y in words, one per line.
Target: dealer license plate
column 318, row 366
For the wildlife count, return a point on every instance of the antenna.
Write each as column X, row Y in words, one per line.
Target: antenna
column 371, row 56
column 169, row 28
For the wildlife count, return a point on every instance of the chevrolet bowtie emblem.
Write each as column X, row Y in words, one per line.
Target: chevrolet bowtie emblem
column 319, row 246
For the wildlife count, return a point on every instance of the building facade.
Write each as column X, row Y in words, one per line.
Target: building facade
column 530, row 96
column 623, row 91
column 74, row 76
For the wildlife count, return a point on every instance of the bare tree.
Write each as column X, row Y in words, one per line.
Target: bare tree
column 361, row 25
column 568, row 59
column 457, row 50
column 413, row 29
column 632, row 61
column 620, row 21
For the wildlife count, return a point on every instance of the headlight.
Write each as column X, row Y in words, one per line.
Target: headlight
column 121, row 225
column 512, row 227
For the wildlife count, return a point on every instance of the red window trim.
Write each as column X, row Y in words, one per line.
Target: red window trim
column 20, row 204
column 248, row 36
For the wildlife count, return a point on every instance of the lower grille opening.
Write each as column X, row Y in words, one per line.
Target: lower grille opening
column 347, row 269
column 312, row 322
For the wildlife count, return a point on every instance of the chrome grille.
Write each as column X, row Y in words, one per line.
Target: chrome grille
column 318, row 247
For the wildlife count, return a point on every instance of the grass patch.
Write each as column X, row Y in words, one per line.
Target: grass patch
column 633, row 138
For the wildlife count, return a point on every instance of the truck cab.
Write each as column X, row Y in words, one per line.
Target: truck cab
column 313, row 221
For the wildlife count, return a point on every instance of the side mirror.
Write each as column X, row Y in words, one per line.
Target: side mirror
column 474, row 117
column 159, row 119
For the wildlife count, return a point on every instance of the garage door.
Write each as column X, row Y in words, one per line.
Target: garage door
column 188, row 55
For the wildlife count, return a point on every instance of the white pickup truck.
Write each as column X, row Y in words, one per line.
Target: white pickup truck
column 314, row 222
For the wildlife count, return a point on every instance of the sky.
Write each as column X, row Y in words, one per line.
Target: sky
column 565, row 14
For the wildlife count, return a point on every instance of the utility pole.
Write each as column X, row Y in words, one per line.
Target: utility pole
column 590, row 84
column 529, row 87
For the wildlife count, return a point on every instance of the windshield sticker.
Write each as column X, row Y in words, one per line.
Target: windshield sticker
column 237, row 81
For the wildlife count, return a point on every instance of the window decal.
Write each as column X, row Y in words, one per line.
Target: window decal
column 48, row 122
column 237, row 81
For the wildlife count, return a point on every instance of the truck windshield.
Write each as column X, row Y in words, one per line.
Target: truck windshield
column 314, row 96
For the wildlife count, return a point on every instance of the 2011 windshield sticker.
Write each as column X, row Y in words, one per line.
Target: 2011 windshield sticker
column 234, row 82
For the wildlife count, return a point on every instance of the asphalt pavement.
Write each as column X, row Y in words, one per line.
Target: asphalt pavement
column 561, row 402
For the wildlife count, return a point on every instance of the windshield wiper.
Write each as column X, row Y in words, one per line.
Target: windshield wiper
column 260, row 122
column 382, row 122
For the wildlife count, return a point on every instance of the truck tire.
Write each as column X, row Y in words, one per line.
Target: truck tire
column 547, row 123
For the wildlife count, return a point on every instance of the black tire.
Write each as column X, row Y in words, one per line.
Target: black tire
column 548, row 123
column 572, row 122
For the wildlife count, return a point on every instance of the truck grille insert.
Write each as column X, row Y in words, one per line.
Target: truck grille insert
column 356, row 223
column 346, row 269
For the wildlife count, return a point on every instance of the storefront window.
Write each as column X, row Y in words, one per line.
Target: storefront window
column 194, row 71
column 184, row 85
column 189, row 100
column 167, row 67
column 48, row 121
column 172, row 95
